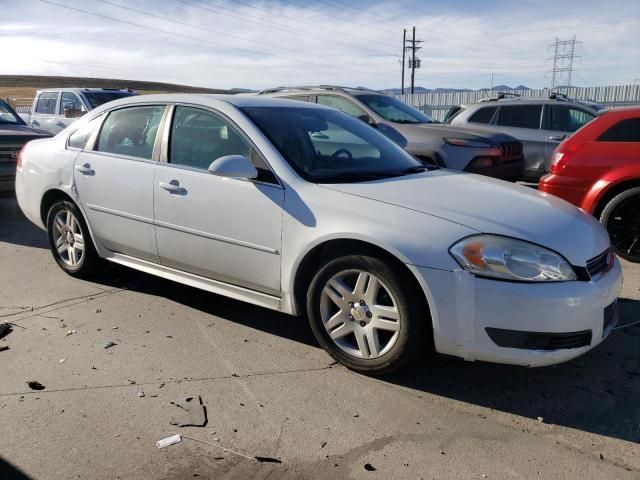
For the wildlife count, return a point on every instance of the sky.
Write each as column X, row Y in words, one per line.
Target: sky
column 265, row 43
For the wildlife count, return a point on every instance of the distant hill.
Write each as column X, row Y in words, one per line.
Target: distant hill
column 23, row 87
column 396, row 91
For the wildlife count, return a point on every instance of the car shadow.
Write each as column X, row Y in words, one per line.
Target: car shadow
column 9, row 472
column 596, row 393
column 16, row 229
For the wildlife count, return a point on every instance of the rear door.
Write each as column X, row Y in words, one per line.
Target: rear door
column 560, row 122
column 226, row 229
column 524, row 122
column 114, row 179
column 44, row 115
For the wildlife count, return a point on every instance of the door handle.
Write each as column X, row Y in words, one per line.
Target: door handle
column 85, row 169
column 35, row 122
column 60, row 124
column 557, row 138
column 173, row 187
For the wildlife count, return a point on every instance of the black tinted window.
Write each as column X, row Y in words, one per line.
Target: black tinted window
column 47, row 103
column 131, row 131
column 522, row 116
column 623, row 131
column 302, row 98
column 484, row 115
column 567, row 119
column 70, row 101
column 98, row 98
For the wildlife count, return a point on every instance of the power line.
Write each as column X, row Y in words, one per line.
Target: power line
column 189, row 37
column 564, row 54
column 178, row 22
column 274, row 25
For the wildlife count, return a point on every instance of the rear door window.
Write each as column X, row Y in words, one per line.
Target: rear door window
column 342, row 104
column 484, row 115
column 521, row 116
column 47, row 103
column 131, row 131
column 563, row 118
column 624, row 131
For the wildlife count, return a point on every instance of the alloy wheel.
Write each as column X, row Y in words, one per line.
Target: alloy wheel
column 360, row 314
column 68, row 238
column 623, row 226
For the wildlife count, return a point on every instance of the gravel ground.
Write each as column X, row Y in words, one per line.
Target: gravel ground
column 270, row 391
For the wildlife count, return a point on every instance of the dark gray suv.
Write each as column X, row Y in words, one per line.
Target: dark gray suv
column 493, row 154
column 540, row 124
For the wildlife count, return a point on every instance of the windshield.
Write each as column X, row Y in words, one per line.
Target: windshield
column 98, row 98
column 393, row 109
column 328, row 146
column 8, row 116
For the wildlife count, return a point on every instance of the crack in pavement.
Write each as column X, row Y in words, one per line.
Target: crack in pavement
column 176, row 381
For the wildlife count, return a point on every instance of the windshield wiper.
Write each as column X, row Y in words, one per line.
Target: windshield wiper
column 356, row 177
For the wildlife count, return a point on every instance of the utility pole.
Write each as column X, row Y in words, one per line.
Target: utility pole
column 564, row 54
column 404, row 49
column 491, row 82
column 414, row 62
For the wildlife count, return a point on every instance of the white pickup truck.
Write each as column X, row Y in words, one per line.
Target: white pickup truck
column 54, row 109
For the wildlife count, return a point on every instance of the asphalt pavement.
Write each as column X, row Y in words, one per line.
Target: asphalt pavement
column 271, row 393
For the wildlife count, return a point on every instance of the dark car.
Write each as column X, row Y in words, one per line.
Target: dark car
column 14, row 133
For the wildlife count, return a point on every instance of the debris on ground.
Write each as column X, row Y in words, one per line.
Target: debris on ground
column 114, row 328
column 140, row 392
column 62, row 360
column 324, row 444
column 70, row 332
column 172, row 440
column 5, row 329
column 268, row 460
column 3, row 348
column 110, row 344
column 98, row 310
column 191, row 413
column 540, row 419
column 33, row 385
column 369, row 468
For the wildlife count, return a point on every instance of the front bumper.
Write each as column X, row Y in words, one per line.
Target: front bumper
column 463, row 306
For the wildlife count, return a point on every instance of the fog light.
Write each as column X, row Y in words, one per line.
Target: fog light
column 482, row 162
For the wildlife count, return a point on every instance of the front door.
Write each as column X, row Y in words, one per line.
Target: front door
column 222, row 228
column 114, row 181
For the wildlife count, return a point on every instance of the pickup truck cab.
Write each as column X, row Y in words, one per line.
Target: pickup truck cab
column 55, row 109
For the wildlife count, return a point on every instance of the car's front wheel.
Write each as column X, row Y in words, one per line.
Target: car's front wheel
column 367, row 314
column 70, row 241
column 621, row 218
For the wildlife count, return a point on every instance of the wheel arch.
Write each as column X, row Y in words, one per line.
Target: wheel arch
column 613, row 189
column 331, row 248
column 49, row 198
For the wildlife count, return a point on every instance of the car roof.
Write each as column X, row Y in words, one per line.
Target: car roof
column 213, row 100
column 86, row 89
column 531, row 101
column 314, row 89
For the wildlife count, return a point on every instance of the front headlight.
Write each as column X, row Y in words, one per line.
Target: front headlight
column 467, row 142
column 510, row 259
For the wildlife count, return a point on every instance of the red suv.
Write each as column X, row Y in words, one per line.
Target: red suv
column 598, row 169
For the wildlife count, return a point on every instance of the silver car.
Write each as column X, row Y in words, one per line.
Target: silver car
column 540, row 124
column 247, row 197
column 493, row 154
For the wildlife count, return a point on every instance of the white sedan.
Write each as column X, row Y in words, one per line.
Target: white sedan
column 302, row 209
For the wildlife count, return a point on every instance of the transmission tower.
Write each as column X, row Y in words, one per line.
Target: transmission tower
column 564, row 55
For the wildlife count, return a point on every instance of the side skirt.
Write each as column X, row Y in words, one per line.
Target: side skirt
column 213, row 286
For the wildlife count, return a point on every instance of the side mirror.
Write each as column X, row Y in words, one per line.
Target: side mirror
column 367, row 119
column 233, row 166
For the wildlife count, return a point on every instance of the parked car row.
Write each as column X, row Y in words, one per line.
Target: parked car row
column 540, row 124
column 301, row 208
column 54, row 109
column 14, row 134
column 494, row 154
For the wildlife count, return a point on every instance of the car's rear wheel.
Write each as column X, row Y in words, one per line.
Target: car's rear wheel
column 70, row 241
column 621, row 218
column 366, row 314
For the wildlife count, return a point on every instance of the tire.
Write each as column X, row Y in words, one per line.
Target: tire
column 621, row 218
column 70, row 241
column 378, row 336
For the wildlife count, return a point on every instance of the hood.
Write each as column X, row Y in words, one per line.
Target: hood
column 11, row 133
column 442, row 130
column 491, row 206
